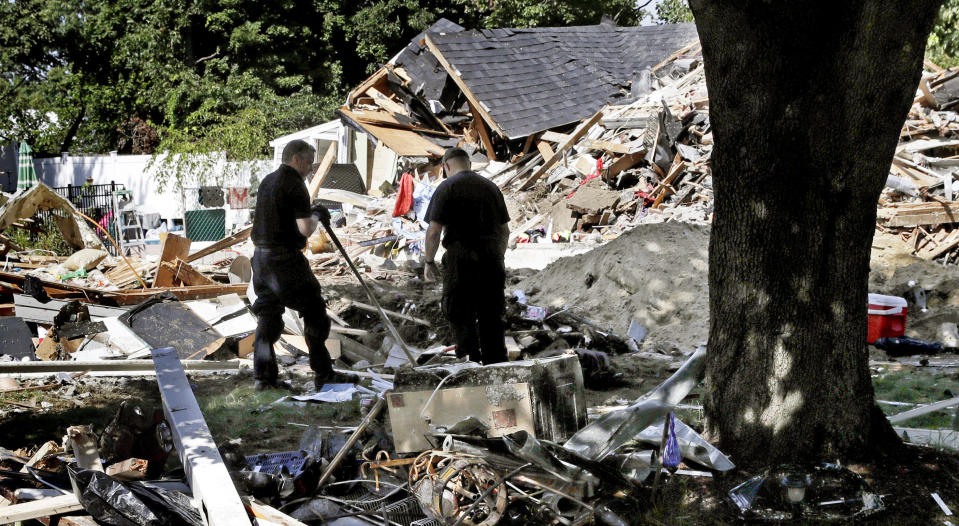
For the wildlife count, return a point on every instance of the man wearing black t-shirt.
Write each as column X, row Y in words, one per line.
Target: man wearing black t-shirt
column 471, row 210
column 282, row 278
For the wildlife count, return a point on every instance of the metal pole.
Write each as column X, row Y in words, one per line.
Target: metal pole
column 341, row 454
column 369, row 292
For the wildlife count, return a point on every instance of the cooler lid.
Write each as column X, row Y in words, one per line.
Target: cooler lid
column 881, row 300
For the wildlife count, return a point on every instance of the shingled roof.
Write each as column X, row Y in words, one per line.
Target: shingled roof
column 530, row 80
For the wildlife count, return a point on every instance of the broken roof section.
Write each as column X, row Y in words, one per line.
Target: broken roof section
column 41, row 197
column 530, row 80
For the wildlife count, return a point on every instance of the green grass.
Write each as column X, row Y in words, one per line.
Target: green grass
column 250, row 416
column 917, row 386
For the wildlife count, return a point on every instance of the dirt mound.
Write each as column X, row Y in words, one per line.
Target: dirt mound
column 655, row 274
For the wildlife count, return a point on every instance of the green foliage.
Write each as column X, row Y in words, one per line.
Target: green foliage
column 50, row 240
column 226, row 76
column 943, row 45
column 525, row 13
column 673, row 11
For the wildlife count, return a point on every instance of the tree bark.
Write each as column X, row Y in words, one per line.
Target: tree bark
column 806, row 103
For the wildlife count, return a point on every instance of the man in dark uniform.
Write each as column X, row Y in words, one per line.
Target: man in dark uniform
column 282, row 277
column 472, row 211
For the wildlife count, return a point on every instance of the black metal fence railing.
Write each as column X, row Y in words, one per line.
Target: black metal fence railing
column 96, row 202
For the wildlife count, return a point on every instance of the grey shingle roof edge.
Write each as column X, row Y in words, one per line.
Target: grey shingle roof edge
column 608, row 56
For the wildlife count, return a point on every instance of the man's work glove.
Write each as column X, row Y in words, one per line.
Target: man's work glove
column 321, row 214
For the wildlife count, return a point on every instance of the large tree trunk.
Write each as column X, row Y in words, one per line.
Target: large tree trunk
column 806, row 102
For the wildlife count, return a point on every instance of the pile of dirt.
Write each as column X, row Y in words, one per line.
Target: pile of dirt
column 655, row 274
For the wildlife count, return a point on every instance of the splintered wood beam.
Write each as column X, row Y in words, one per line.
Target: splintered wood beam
column 593, row 144
column 561, row 149
column 173, row 247
column 388, row 104
column 483, row 133
column 189, row 276
column 545, row 150
column 222, row 244
column 322, row 171
column 39, row 508
column 455, row 75
column 205, row 471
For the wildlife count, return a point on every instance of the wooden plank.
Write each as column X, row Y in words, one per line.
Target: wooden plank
column 922, row 410
column 579, row 132
column 373, row 80
column 222, row 244
column 189, row 276
column 594, row 144
column 119, row 366
column 207, row 475
column 404, row 143
column 267, row 513
column 173, row 247
column 383, row 101
column 46, row 448
column 660, row 191
column 625, row 163
column 322, row 171
column 483, row 133
column 455, row 75
column 545, row 150
column 528, row 144
column 39, row 508
column 951, row 242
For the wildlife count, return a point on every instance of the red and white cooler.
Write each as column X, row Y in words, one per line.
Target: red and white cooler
column 887, row 317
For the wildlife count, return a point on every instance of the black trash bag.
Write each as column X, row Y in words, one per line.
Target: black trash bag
column 164, row 500
column 113, row 503
column 907, row 346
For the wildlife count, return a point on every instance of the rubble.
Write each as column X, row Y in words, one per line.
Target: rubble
column 618, row 173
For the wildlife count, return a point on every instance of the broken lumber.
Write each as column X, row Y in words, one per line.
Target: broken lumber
column 189, row 276
column 267, row 513
column 173, row 247
column 222, row 244
column 205, row 471
column 594, row 144
column 576, row 135
column 319, row 177
column 483, row 133
column 39, row 508
column 129, row 469
column 919, row 214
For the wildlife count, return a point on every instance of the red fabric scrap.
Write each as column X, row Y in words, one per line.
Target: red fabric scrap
column 404, row 197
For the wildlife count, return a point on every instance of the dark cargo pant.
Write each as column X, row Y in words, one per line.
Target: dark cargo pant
column 473, row 283
column 282, row 278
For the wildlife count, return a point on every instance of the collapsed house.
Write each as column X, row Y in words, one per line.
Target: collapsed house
column 589, row 131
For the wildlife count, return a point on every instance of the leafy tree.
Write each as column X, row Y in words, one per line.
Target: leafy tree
column 943, row 46
column 795, row 211
column 673, row 11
